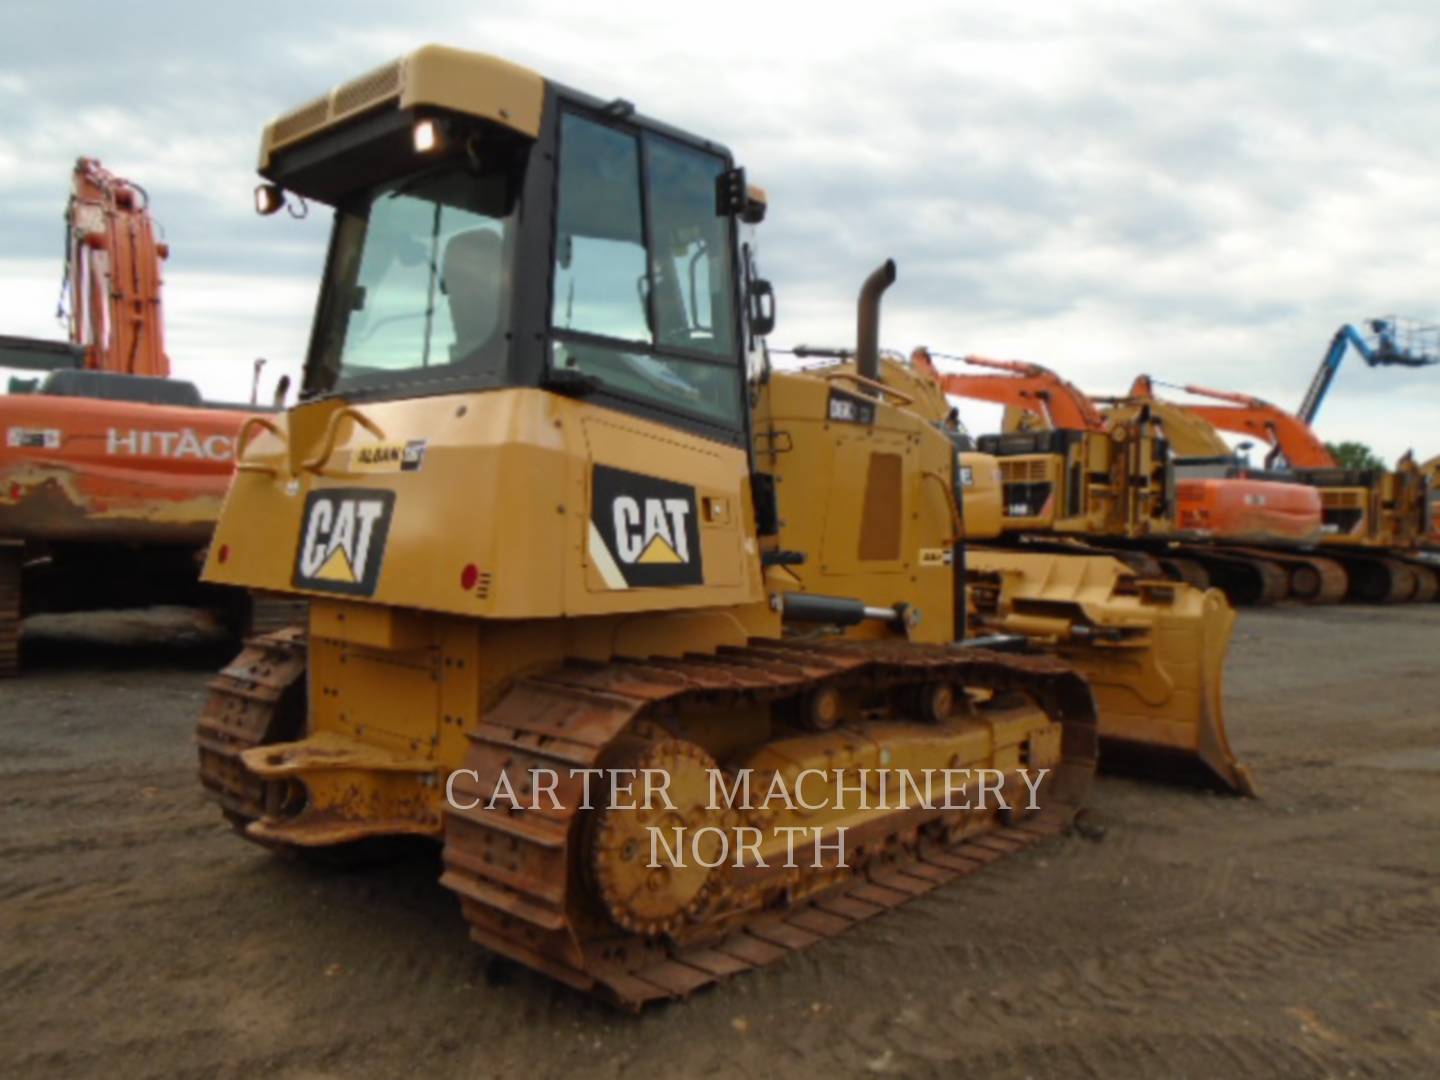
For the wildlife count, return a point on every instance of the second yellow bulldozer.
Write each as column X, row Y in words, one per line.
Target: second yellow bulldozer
column 659, row 643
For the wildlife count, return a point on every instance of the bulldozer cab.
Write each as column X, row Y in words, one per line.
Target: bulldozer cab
column 532, row 303
column 595, row 255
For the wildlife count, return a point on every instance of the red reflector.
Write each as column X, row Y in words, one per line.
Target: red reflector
column 224, row 552
column 469, row 576
column 16, row 491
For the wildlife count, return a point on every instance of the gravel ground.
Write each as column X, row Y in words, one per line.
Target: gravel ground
column 1203, row 935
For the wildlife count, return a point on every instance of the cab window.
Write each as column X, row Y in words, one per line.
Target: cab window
column 418, row 279
column 643, row 284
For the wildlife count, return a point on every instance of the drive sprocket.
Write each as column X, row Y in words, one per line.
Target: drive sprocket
column 641, row 887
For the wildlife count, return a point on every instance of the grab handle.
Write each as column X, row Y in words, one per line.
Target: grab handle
column 242, row 443
column 327, row 447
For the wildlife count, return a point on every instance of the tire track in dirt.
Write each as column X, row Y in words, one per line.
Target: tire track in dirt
column 1089, row 990
column 1167, row 971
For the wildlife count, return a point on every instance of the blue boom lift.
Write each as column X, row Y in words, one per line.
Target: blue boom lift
column 1395, row 341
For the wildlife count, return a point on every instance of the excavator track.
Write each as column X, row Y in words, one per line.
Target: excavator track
column 1246, row 581
column 528, row 892
column 1427, row 579
column 270, row 612
column 258, row 698
column 10, row 565
column 1189, row 571
column 1378, row 578
column 1313, row 579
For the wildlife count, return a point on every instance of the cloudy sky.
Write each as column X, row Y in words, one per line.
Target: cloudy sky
column 1200, row 192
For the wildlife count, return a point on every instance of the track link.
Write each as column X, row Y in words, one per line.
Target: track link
column 10, row 569
column 519, row 873
column 258, row 698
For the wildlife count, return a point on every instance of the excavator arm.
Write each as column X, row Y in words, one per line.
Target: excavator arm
column 1059, row 404
column 1241, row 414
column 112, row 270
column 1292, row 437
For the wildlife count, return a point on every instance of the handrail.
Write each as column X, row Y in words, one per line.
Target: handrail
column 873, row 384
column 327, row 447
column 242, row 444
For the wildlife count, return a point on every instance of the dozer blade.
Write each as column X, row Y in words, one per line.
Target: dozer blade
column 1153, row 651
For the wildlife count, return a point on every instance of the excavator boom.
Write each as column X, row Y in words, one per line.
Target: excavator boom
column 1244, row 415
column 1057, row 403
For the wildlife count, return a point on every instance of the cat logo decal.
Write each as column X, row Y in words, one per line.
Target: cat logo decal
column 342, row 540
column 643, row 530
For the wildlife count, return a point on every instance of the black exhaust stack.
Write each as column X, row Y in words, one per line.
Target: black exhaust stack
column 867, row 323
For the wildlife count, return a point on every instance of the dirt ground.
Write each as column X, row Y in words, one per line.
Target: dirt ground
column 1204, row 935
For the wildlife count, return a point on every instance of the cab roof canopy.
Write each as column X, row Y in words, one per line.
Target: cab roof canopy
column 319, row 148
column 360, row 133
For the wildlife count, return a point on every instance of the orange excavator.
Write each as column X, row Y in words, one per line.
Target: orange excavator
column 111, row 472
column 1203, row 518
column 1373, row 520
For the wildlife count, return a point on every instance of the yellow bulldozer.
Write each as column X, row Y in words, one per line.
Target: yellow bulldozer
column 660, row 643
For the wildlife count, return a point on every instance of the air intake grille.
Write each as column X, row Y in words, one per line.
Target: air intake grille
column 355, row 96
column 367, row 90
column 301, row 120
column 1022, row 470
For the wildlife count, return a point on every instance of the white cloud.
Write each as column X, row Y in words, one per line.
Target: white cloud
column 216, row 325
column 1201, row 192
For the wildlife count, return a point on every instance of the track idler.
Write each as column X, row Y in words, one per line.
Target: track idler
column 1247, row 581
